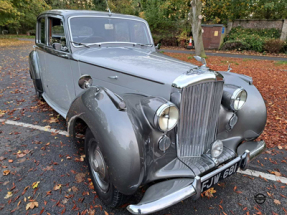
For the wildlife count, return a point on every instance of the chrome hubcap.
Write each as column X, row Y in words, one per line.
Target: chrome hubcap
column 98, row 166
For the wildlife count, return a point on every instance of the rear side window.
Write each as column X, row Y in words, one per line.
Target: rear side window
column 42, row 38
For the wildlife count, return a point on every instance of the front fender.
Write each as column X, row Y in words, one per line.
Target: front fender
column 251, row 118
column 34, row 70
column 118, row 141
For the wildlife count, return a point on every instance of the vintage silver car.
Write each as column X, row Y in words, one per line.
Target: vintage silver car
column 150, row 119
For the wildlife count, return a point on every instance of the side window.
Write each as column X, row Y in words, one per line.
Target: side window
column 56, row 33
column 41, row 33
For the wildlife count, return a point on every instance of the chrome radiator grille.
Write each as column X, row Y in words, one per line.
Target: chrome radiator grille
column 199, row 110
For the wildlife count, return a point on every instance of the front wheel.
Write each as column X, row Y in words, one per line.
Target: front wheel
column 38, row 94
column 108, row 194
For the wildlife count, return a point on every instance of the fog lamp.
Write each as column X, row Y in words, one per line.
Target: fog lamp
column 216, row 149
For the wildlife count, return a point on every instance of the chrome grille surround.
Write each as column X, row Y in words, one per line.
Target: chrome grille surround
column 201, row 94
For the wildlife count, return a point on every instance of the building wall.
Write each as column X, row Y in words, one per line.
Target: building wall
column 278, row 24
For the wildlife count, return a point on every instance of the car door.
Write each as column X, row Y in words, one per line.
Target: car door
column 59, row 83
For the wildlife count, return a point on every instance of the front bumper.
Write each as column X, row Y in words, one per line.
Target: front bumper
column 170, row 192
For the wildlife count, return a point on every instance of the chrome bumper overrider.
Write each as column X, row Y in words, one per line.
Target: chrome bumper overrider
column 167, row 193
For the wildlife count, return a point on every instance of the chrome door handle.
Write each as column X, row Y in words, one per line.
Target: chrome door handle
column 113, row 77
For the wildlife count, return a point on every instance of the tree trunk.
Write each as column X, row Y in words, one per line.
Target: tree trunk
column 196, row 18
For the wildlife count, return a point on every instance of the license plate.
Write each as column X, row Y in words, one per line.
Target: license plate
column 208, row 183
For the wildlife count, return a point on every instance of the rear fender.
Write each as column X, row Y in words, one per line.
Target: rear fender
column 118, row 140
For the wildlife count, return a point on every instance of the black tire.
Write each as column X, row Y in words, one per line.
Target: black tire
column 38, row 94
column 110, row 197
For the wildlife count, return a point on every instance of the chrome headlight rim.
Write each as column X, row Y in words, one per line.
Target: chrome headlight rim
column 235, row 96
column 159, row 112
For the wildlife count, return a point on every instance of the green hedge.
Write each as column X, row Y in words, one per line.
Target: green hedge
column 249, row 39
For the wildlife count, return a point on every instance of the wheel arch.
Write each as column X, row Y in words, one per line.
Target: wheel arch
column 34, row 69
column 115, row 130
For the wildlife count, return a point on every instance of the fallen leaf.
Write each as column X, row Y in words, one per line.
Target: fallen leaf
column 75, row 189
column 209, row 193
column 10, row 161
column 21, row 160
column 277, row 202
column 277, row 173
column 35, row 184
column 280, row 147
column 57, row 186
column 6, row 172
column 65, row 200
column 92, row 212
column 80, row 177
column 32, row 205
column 8, row 195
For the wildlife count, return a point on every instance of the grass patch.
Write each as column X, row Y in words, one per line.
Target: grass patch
column 281, row 62
column 13, row 42
column 14, row 36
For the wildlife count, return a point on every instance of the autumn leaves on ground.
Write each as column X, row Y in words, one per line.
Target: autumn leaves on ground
column 270, row 77
column 45, row 173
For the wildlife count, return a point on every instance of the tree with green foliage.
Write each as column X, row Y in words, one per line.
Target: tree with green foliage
column 20, row 15
column 266, row 9
column 8, row 13
column 220, row 11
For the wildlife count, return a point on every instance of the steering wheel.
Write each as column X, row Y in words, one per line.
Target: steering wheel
column 92, row 39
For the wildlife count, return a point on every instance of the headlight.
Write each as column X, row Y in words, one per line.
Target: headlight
column 166, row 117
column 234, row 97
column 238, row 99
column 216, row 149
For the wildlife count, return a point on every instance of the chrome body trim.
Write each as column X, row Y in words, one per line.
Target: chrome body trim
column 163, row 202
column 199, row 112
column 193, row 189
column 196, row 76
column 258, row 151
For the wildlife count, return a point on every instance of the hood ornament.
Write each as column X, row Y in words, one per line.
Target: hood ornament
column 200, row 59
column 229, row 68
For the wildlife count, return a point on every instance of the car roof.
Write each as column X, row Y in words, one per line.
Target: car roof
column 69, row 13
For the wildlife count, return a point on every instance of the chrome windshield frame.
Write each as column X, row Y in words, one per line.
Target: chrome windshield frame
column 108, row 17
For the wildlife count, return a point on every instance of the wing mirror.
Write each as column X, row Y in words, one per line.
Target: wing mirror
column 158, row 46
column 200, row 59
column 85, row 81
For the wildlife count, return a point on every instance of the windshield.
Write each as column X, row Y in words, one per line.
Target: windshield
column 91, row 30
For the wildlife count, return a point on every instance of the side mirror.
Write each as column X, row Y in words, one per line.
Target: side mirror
column 57, row 46
column 158, row 46
column 85, row 81
column 200, row 59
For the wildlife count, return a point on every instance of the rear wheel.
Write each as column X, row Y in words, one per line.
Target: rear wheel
column 109, row 195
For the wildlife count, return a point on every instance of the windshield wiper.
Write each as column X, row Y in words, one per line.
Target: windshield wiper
column 81, row 44
column 140, row 44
